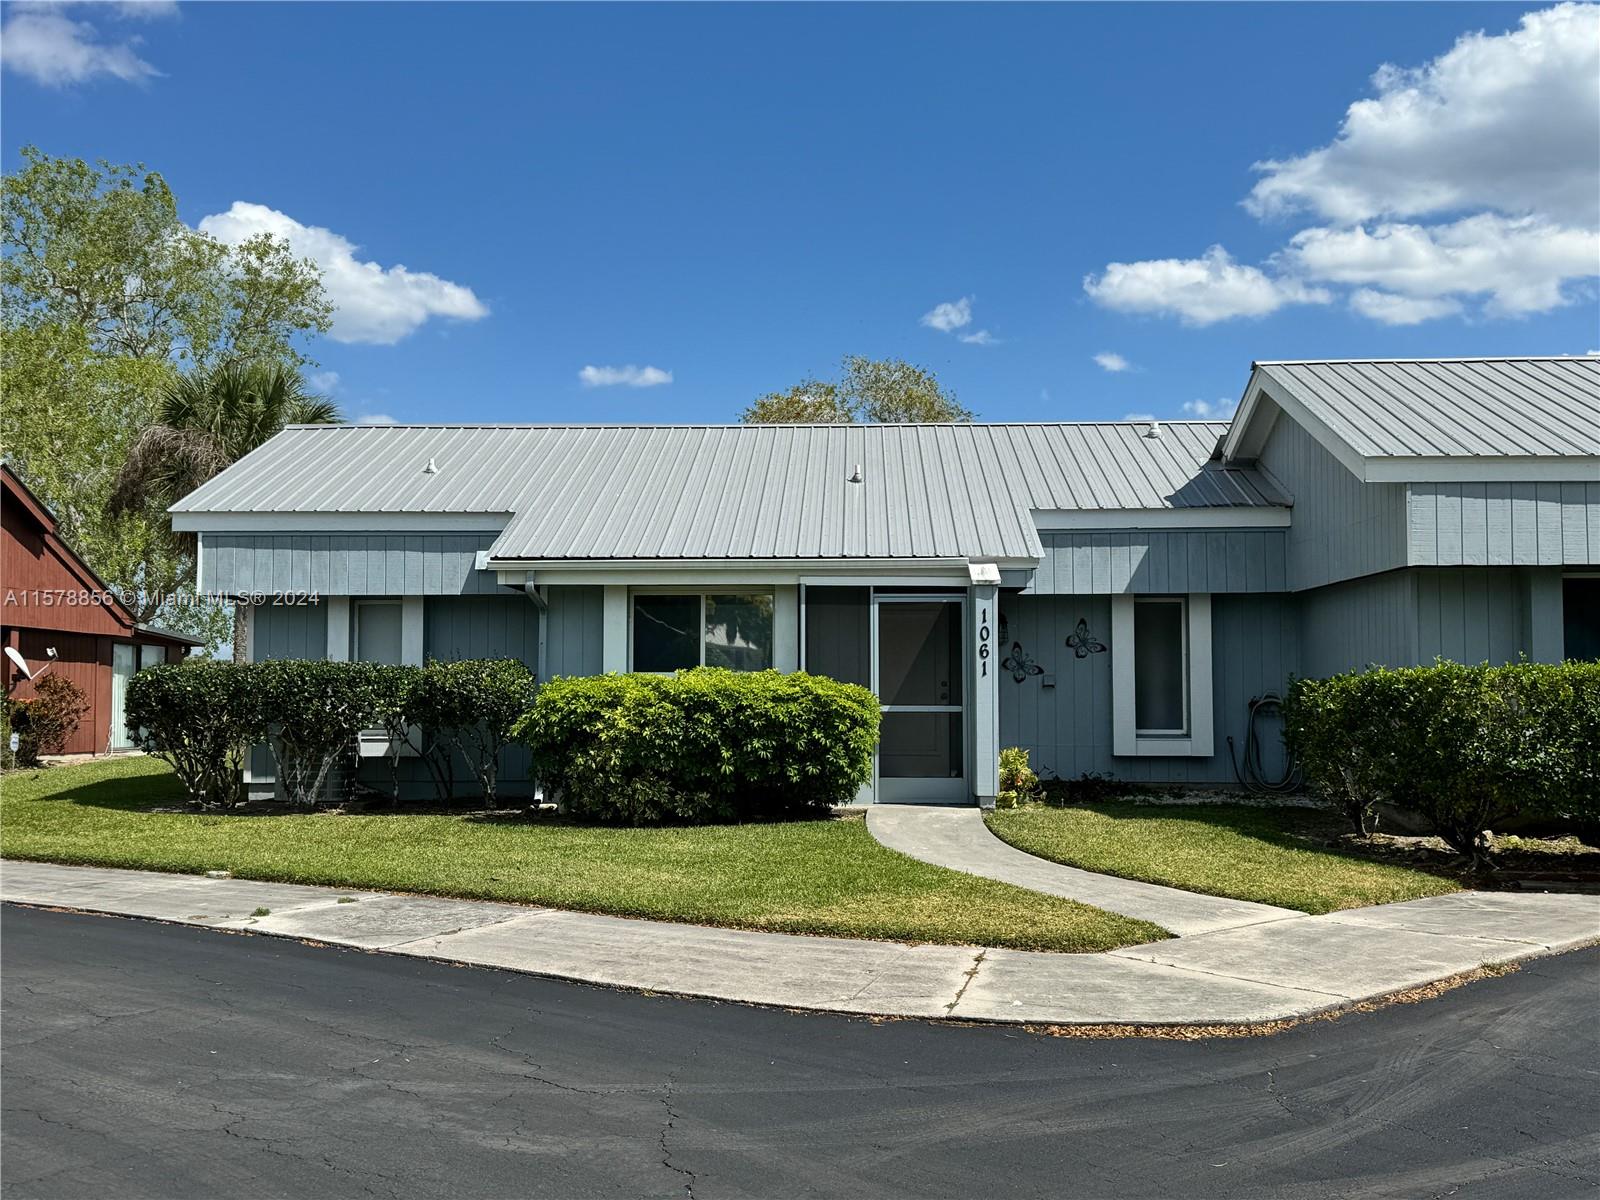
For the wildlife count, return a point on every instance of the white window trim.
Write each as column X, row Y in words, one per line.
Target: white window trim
column 1127, row 739
column 702, row 593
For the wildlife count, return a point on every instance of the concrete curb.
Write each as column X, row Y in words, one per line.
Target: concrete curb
column 1281, row 970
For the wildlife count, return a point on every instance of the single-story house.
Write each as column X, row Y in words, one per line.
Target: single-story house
column 1110, row 595
column 58, row 618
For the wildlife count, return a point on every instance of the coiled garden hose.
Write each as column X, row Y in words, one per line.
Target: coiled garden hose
column 1252, row 777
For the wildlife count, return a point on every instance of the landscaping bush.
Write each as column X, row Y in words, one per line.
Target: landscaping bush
column 44, row 723
column 311, row 711
column 703, row 745
column 469, row 707
column 1467, row 747
column 201, row 718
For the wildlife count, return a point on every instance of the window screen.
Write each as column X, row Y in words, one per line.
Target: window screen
column 1160, row 678
column 666, row 632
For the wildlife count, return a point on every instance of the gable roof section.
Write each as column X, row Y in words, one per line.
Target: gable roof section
column 1434, row 419
column 737, row 492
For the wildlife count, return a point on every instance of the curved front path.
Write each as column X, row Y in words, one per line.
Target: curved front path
column 1274, row 970
column 957, row 838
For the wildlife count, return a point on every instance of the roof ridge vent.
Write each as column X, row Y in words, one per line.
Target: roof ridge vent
column 432, row 468
column 1154, row 431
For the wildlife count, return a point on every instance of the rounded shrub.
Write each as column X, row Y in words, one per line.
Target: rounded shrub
column 703, row 745
column 200, row 717
column 1467, row 747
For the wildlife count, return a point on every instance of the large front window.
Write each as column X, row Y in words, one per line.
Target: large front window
column 672, row 631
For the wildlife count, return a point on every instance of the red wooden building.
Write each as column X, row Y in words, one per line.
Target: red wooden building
column 51, row 601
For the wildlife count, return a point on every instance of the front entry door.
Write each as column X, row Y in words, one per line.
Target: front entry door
column 920, row 685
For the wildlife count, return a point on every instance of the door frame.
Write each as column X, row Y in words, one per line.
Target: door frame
column 931, row 790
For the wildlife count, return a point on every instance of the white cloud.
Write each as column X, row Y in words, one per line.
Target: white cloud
column 46, row 44
column 1392, row 309
column 1507, row 122
column 1497, row 140
column 1199, row 291
column 628, row 376
column 952, row 315
column 1112, row 362
column 376, row 419
column 326, row 382
column 1210, row 410
column 1140, row 416
column 980, row 337
column 373, row 303
column 1519, row 263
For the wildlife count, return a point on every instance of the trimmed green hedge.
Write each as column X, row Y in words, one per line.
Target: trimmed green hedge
column 702, row 745
column 1468, row 747
column 202, row 717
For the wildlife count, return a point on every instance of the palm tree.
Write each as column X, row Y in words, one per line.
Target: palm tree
column 209, row 419
column 206, row 421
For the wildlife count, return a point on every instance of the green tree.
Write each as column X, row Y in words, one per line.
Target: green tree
column 871, row 391
column 207, row 420
column 106, row 299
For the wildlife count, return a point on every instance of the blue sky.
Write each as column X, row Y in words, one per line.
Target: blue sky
column 739, row 196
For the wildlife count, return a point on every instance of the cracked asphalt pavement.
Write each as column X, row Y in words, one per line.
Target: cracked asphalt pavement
column 147, row 1060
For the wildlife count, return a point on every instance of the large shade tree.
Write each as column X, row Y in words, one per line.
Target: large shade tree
column 872, row 391
column 107, row 298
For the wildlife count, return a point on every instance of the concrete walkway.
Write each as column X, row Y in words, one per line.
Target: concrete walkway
column 1267, row 971
column 957, row 838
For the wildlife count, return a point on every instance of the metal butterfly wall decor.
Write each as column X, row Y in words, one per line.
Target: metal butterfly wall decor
column 1083, row 643
column 1020, row 663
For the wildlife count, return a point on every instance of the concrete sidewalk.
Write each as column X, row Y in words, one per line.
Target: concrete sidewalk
column 958, row 838
column 1267, row 971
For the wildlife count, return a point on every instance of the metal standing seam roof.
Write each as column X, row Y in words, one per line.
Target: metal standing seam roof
column 741, row 491
column 1521, row 407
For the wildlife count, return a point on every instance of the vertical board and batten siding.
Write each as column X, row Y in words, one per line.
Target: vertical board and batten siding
column 1342, row 528
column 289, row 631
column 1503, row 524
column 1067, row 728
column 573, row 632
column 1359, row 623
column 1471, row 616
column 1143, row 562
column 1409, row 618
column 347, row 564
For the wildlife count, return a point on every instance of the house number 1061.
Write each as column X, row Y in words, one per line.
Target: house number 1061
column 983, row 641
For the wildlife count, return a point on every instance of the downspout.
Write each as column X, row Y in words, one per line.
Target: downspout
column 542, row 603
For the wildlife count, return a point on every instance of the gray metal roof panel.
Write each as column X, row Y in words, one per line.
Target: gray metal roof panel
column 739, row 491
column 1395, row 408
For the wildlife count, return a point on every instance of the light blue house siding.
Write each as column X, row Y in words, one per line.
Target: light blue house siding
column 1142, row 561
column 1062, row 715
column 1503, row 524
column 1342, row 527
column 346, row 564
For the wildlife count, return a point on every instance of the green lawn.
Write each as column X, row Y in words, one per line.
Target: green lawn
column 826, row 877
column 1272, row 855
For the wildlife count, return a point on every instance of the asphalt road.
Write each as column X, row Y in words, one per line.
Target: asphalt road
column 144, row 1060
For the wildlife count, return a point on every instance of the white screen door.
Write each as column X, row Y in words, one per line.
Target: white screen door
column 920, row 684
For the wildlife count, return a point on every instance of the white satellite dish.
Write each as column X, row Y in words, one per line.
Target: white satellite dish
column 21, row 663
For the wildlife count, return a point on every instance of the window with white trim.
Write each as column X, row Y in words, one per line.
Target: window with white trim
column 1161, row 681
column 1160, row 666
column 675, row 630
